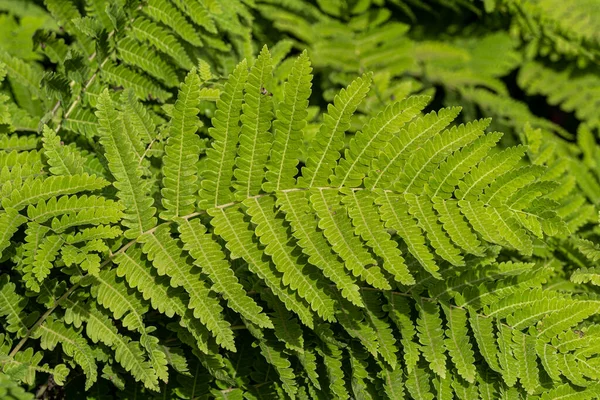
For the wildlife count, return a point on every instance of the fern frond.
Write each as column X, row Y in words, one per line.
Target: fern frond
column 225, row 132
column 165, row 12
column 100, row 328
column 210, row 258
column 300, row 278
column 366, row 144
column 146, row 30
column 422, row 208
column 289, row 122
column 326, row 146
column 62, row 159
column 400, row 146
column 132, row 53
column 38, row 189
column 425, row 159
column 53, row 332
column 10, row 220
column 11, row 307
column 257, row 113
column 457, row 342
column 304, row 228
column 230, row 225
column 337, row 228
column 385, row 337
column 144, row 87
column 394, row 212
column 181, row 153
column 366, row 222
column 56, row 206
column 124, row 303
column 170, row 301
column 166, row 257
column 431, row 336
column 131, row 189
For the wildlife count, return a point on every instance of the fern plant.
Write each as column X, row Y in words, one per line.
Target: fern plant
column 181, row 217
column 415, row 253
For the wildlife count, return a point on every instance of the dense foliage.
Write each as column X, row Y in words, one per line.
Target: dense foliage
column 255, row 199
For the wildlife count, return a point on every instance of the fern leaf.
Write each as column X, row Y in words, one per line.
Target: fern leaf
column 210, row 258
column 165, row 12
column 144, row 87
column 131, row 189
column 393, row 382
column 392, row 157
column 377, row 318
column 394, row 212
column 423, row 161
column 417, row 384
column 146, row 30
column 431, row 336
column 337, row 228
column 133, row 53
column 275, row 356
column 225, row 132
column 457, row 342
column 35, row 190
column 288, row 126
column 487, row 171
column 399, row 311
column 449, row 173
column 364, row 214
column 524, row 351
column 10, row 220
column 568, row 317
column 481, row 221
column 585, row 275
column 456, row 227
column 141, row 276
column 111, row 293
column 508, row 362
column 511, row 231
column 166, row 257
column 52, row 332
column 11, row 389
column 45, row 256
column 352, row 319
column 273, row 236
column 100, row 328
column 549, row 358
column 286, row 327
column 62, row 160
column 304, row 228
column 180, row 180
column 138, row 116
column 9, row 143
column 325, row 148
column 254, row 142
column 421, row 208
column 230, row 225
column 57, row 206
column 366, row 145
column 332, row 359
column 12, row 306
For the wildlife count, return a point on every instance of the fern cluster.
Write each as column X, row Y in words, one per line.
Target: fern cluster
column 293, row 199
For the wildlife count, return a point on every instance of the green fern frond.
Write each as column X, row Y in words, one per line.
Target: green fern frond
column 181, row 152
column 124, row 167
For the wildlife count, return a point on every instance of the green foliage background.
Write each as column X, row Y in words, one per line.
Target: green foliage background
column 187, row 214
